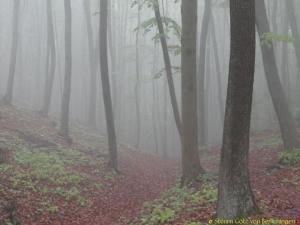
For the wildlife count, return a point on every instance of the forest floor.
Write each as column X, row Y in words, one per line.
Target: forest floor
column 45, row 179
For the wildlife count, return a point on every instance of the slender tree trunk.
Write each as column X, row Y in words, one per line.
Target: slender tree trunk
column 50, row 63
column 191, row 167
column 110, row 124
column 285, row 72
column 286, row 122
column 137, row 82
column 218, row 70
column 65, row 106
column 168, row 67
column 235, row 199
column 13, row 55
column 112, row 51
column 201, row 75
column 290, row 10
column 93, row 67
column 154, row 102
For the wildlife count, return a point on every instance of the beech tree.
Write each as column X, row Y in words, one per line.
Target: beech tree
column 110, row 124
column 286, row 121
column 202, row 122
column 168, row 66
column 92, row 65
column 13, row 54
column 191, row 166
column 65, row 105
column 50, row 61
column 235, row 196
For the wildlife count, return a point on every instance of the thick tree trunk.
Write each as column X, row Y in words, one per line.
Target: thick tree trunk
column 50, row 63
column 235, row 194
column 168, row 67
column 286, row 122
column 191, row 167
column 93, row 67
column 65, row 106
column 13, row 55
column 201, row 76
column 110, row 124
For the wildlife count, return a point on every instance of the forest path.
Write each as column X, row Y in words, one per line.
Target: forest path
column 47, row 180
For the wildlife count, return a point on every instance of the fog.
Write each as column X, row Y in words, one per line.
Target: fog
column 157, row 130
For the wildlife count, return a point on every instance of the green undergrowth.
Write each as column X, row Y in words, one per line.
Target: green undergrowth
column 174, row 201
column 289, row 157
column 46, row 171
column 271, row 142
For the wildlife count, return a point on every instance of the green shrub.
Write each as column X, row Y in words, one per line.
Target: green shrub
column 289, row 157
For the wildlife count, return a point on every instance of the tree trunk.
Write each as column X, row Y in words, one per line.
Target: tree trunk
column 13, row 55
column 50, row 63
column 106, row 85
column 93, row 67
column 168, row 67
column 290, row 10
column 201, row 76
column 235, row 197
column 218, row 70
column 137, row 82
column 191, row 167
column 285, row 71
column 65, row 106
column 286, row 122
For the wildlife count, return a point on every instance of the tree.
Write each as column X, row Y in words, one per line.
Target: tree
column 110, row 124
column 286, row 122
column 92, row 65
column 50, row 61
column 137, row 82
column 65, row 107
column 168, row 67
column 235, row 196
column 218, row 70
column 13, row 55
column 202, row 123
column 191, row 167
column 290, row 10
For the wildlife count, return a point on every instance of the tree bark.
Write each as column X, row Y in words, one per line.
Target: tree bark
column 65, row 106
column 13, row 55
column 110, row 124
column 191, row 167
column 286, row 122
column 235, row 197
column 201, row 76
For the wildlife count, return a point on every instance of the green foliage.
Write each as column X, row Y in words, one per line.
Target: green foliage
column 208, row 194
column 267, row 38
column 47, row 166
column 169, row 24
column 177, row 198
column 290, row 157
column 37, row 169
